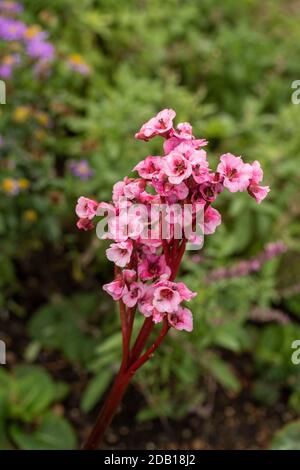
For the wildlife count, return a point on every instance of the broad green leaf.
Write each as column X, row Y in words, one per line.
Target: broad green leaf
column 54, row 433
column 223, row 373
column 288, row 438
column 95, row 390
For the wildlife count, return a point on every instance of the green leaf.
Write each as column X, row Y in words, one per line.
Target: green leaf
column 59, row 326
column 223, row 373
column 95, row 390
column 34, row 391
column 288, row 438
column 54, row 433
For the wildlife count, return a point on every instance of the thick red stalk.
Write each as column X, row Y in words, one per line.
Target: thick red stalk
column 108, row 410
column 132, row 360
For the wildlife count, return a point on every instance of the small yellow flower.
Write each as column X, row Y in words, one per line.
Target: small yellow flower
column 42, row 118
column 23, row 184
column 78, row 64
column 30, row 215
column 10, row 186
column 76, row 59
column 21, row 114
column 8, row 60
column 40, row 135
column 32, row 32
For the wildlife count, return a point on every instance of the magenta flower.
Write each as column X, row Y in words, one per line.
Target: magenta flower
column 149, row 167
column 254, row 189
column 236, row 173
column 166, row 298
column 172, row 192
column 86, row 208
column 200, row 166
column 184, row 292
column 176, row 167
column 212, row 219
column 85, row 224
column 184, row 131
column 120, row 253
column 161, row 125
column 152, row 267
column 182, row 319
column 116, row 288
column 134, row 294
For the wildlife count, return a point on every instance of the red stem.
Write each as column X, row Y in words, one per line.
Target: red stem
column 132, row 361
column 108, row 410
column 148, row 354
column 141, row 339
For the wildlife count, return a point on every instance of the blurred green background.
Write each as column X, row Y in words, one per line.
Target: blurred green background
column 227, row 67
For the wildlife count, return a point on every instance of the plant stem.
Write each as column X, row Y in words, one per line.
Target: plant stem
column 132, row 360
column 108, row 410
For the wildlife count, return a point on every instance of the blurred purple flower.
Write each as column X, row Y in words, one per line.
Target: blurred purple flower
column 78, row 64
column 11, row 30
column 81, row 169
column 38, row 48
column 7, row 6
column 7, row 65
column 246, row 267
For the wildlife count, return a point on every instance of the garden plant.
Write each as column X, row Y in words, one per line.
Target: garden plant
column 150, row 231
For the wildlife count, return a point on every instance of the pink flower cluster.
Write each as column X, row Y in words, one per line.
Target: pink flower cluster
column 146, row 267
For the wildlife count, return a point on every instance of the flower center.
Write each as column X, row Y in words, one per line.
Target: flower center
column 166, row 294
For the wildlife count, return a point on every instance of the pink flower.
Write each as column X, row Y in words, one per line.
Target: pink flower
column 184, row 130
column 258, row 192
column 118, row 191
column 85, row 224
column 200, row 167
column 134, row 188
column 254, row 189
column 86, row 208
column 171, row 192
column 145, row 304
column 182, row 319
column 236, row 173
column 210, row 189
column 119, row 287
column 153, row 266
column 120, row 253
column 212, row 219
column 134, row 294
column 173, row 142
column 129, row 276
column 166, row 297
column 149, row 167
column 176, row 167
column 184, row 292
column 157, row 316
column 161, row 124
column 116, row 288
